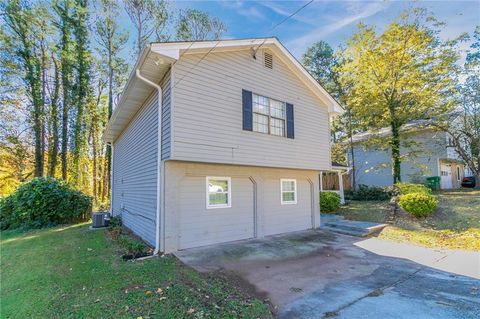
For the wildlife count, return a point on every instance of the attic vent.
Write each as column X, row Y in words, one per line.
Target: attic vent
column 268, row 60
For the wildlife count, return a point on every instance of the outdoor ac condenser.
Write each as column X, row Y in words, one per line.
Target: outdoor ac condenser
column 100, row 220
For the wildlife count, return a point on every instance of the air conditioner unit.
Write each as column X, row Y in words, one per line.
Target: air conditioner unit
column 100, row 219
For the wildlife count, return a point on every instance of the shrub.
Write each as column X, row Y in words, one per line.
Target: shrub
column 7, row 209
column 408, row 188
column 418, row 204
column 329, row 202
column 44, row 202
column 365, row 192
column 132, row 246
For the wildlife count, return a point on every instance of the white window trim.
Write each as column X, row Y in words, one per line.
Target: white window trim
column 281, row 191
column 270, row 116
column 229, row 197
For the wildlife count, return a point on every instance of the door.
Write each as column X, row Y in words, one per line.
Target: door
column 446, row 176
column 199, row 225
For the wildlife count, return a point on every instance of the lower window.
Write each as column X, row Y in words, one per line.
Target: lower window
column 288, row 191
column 219, row 192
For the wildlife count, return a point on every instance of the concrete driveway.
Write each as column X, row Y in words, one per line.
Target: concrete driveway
column 318, row 274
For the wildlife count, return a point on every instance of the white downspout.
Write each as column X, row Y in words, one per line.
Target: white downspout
column 161, row 166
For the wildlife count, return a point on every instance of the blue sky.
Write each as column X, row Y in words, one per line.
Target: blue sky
column 332, row 21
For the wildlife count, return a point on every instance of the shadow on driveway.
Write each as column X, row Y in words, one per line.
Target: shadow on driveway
column 318, row 274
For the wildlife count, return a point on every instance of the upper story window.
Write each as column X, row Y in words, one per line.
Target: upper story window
column 269, row 115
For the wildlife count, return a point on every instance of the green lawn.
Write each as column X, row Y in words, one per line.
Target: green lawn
column 72, row 272
column 455, row 225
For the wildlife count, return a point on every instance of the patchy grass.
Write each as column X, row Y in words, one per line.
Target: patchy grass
column 371, row 211
column 71, row 272
column 455, row 225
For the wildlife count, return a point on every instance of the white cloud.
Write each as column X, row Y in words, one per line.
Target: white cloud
column 357, row 13
column 242, row 9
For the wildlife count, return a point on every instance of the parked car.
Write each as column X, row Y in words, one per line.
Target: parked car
column 468, row 181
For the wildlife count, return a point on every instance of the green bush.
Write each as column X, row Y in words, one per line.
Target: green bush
column 132, row 246
column 408, row 188
column 329, row 202
column 418, row 204
column 365, row 192
column 43, row 202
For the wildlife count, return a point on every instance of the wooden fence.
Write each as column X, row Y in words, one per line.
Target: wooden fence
column 330, row 181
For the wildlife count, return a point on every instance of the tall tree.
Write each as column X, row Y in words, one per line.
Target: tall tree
column 324, row 64
column 66, row 48
column 149, row 17
column 82, row 83
column 194, row 25
column 404, row 74
column 111, row 40
column 22, row 34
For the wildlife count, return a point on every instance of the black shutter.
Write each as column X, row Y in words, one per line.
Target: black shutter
column 290, row 124
column 247, row 110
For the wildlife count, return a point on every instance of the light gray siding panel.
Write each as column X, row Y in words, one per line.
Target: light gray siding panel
column 135, row 172
column 199, row 226
column 207, row 115
column 286, row 218
column 166, row 123
column 256, row 204
column 373, row 166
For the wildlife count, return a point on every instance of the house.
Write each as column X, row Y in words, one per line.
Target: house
column 425, row 152
column 235, row 151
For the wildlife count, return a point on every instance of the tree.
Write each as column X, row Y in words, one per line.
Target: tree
column 22, row 37
column 111, row 40
column 148, row 17
column 464, row 129
column 404, row 74
column 325, row 66
column 195, row 25
column 82, row 83
column 66, row 47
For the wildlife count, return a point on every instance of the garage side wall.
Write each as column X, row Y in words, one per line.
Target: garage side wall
column 256, row 204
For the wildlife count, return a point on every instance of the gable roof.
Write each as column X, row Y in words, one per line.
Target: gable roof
column 157, row 58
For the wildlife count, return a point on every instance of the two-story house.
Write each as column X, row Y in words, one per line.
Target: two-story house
column 425, row 152
column 235, row 151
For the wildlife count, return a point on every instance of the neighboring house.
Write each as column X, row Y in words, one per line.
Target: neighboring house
column 235, row 152
column 426, row 154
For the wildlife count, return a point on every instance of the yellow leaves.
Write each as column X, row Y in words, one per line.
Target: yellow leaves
column 148, row 293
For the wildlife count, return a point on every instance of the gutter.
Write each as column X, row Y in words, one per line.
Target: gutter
column 160, row 169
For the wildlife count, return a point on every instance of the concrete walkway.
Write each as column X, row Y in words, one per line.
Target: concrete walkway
column 460, row 262
column 318, row 274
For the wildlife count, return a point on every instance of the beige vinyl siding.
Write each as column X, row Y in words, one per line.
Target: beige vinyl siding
column 288, row 217
column 256, row 204
column 199, row 226
column 207, row 115
column 135, row 172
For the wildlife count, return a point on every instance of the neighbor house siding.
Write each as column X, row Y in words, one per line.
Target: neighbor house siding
column 135, row 172
column 207, row 115
column 373, row 166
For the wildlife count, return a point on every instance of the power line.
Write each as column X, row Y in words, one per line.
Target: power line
column 218, row 42
column 286, row 18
